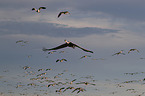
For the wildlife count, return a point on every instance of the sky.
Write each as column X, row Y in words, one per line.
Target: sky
column 102, row 26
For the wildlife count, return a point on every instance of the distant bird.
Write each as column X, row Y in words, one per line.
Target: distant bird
column 38, row 10
column 79, row 90
column 61, row 60
column 60, row 89
column 86, row 83
column 48, row 69
column 19, row 41
column 132, row 50
column 85, row 56
column 73, row 81
column 120, row 52
column 40, row 69
column 64, row 12
column 25, row 67
column 68, row 88
column 51, row 85
column 67, row 44
column 51, row 52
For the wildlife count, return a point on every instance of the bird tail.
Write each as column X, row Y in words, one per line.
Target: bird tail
column 44, row 49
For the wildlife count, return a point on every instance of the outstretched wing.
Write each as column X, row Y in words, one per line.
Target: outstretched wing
column 42, row 8
column 58, row 47
column 59, row 14
column 82, row 48
column 33, row 8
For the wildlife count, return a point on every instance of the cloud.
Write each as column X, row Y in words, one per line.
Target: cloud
column 128, row 9
column 50, row 29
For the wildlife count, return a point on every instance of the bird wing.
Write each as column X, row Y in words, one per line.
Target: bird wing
column 58, row 47
column 57, row 60
column 59, row 14
column 42, row 8
column 74, row 90
column 33, row 8
column 83, row 48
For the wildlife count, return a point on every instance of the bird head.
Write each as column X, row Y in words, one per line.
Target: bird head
column 66, row 41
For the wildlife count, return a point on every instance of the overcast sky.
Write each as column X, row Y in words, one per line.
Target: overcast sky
column 102, row 26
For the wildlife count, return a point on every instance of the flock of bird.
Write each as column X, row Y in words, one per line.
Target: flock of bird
column 42, row 78
column 63, row 83
column 38, row 10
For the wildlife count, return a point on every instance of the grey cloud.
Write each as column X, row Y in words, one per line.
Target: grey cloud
column 130, row 9
column 49, row 29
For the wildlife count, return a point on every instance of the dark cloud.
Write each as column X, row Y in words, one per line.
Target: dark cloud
column 130, row 9
column 49, row 29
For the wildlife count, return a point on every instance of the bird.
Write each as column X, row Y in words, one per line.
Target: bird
column 86, row 83
column 60, row 89
column 79, row 90
column 51, row 85
column 19, row 41
column 120, row 52
column 85, row 56
column 48, row 69
column 132, row 50
column 68, row 88
column 61, row 60
column 40, row 69
column 73, row 81
column 64, row 12
column 67, row 44
column 51, row 52
column 26, row 67
column 38, row 10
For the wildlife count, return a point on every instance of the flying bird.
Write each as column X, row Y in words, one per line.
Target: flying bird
column 79, row 90
column 132, row 50
column 86, row 83
column 60, row 90
column 38, row 10
column 120, row 52
column 67, row 44
column 61, row 60
column 85, row 56
column 51, row 52
column 26, row 67
column 68, row 88
column 64, row 12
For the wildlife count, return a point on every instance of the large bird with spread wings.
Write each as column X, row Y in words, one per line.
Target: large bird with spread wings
column 38, row 10
column 67, row 44
column 64, row 12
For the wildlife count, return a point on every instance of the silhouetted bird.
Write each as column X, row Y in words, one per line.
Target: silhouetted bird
column 25, row 67
column 67, row 44
column 86, row 83
column 60, row 89
column 68, row 88
column 121, row 52
column 79, row 90
column 132, row 50
column 38, row 10
column 51, row 52
column 64, row 12
column 61, row 60
column 85, row 56
column 19, row 41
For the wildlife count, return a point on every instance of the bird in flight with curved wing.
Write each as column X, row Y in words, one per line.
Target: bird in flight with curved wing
column 67, row 44
column 64, row 12
column 38, row 10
